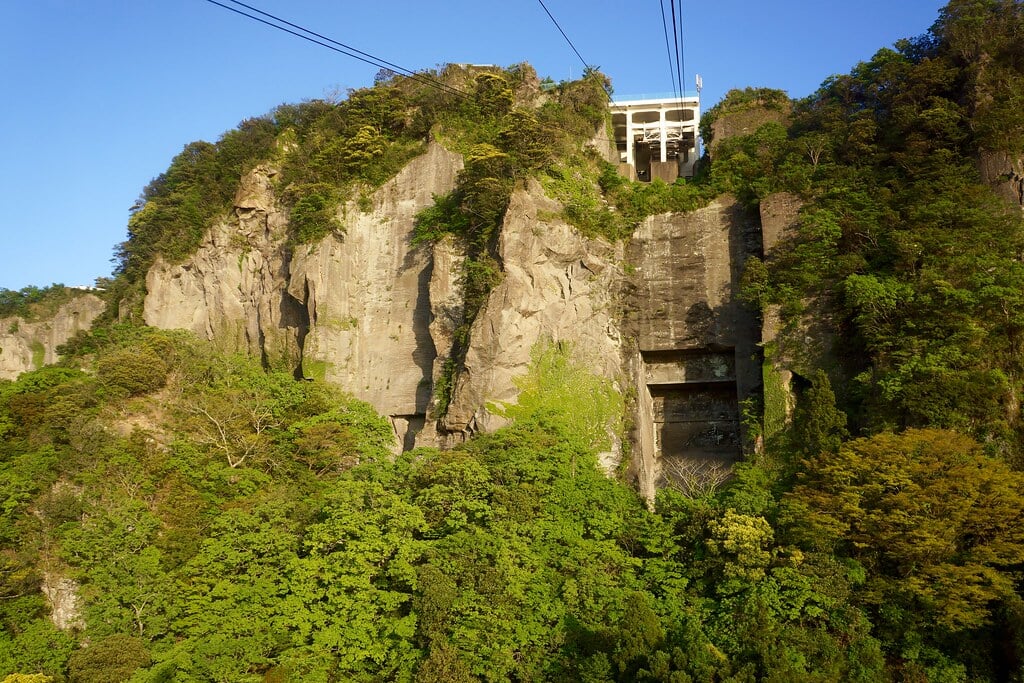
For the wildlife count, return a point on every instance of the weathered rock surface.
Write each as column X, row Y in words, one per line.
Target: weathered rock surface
column 556, row 286
column 29, row 344
column 353, row 309
column 367, row 294
column 695, row 355
column 780, row 215
column 65, row 605
column 687, row 272
column 1005, row 174
column 234, row 288
column 810, row 343
column 744, row 122
column 372, row 313
column 447, row 311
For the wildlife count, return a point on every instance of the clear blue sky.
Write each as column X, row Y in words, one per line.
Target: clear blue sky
column 99, row 95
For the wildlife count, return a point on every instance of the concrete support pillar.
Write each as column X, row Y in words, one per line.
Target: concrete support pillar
column 664, row 134
column 630, row 153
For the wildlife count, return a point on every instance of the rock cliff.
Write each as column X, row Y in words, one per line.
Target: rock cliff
column 353, row 309
column 1004, row 172
column 367, row 296
column 694, row 358
column 557, row 286
column 376, row 314
column 234, row 288
column 29, row 344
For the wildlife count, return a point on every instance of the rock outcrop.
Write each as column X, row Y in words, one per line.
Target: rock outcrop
column 556, row 285
column 62, row 596
column 29, row 344
column 234, row 289
column 806, row 343
column 1004, row 173
column 694, row 359
column 367, row 296
column 372, row 312
column 745, row 122
column 353, row 309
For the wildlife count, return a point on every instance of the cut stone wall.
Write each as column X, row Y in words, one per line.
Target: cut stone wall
column 697, row 354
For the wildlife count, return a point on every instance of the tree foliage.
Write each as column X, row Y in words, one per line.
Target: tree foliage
column 934, row 522
column 899, row 240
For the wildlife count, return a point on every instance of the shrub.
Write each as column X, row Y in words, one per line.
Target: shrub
column 113, row 658
column 135, row 371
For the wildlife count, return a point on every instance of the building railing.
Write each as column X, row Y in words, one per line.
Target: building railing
column 689, row 95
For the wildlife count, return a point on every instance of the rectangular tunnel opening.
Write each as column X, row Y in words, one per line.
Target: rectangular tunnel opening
column 695, row 410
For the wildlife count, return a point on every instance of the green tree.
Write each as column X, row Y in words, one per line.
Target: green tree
column 354, row 586
column 818, row 426
column 936, row 524
column 113, row 658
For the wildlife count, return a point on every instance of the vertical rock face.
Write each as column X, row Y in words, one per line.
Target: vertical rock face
column 780, row 215
column 368, row 296
column 29, row 344
column 1005, row 174
column 447, row 310
column 234, row 288
column 696, row 344
column 62, row 597
column 744, row 122
column 557, row 286
column 800, row 348
column 376, row 315
column 687, row 270
column 353, row 309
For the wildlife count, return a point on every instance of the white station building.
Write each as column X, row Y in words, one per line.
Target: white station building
column 656, row 138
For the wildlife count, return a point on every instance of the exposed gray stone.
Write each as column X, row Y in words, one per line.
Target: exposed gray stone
column 233, row 289
column 29, row 344
column 62, row 596
column 697, row 353
column 374, row 314
column 367, row 293
column 556, row 286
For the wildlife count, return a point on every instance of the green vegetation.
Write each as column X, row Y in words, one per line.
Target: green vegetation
column 240, row 525
column 911, row 263
column 600, row 203
column 502, row 145
column 228, row 523
column 915, row 259
column 738, row 101
column 33, row 302
column 176, row 208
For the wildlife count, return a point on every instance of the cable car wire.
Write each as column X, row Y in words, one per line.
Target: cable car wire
column 682, row 55
column 555, row 22
column 586, row 67
column 676, row 33
column 668, row 51
column 342, row 48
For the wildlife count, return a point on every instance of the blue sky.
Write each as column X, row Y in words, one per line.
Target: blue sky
column 99, row 95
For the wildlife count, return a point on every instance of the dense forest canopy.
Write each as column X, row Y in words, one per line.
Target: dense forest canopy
column 172, row 513
column 919, row 259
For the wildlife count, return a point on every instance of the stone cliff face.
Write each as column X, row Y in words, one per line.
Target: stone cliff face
column 234, row 288
column 29, row 344
column 694, row 359
column 374, row 314
column 1004, row 172
column 353, row 309
column 556, row 286
column 368, row 300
